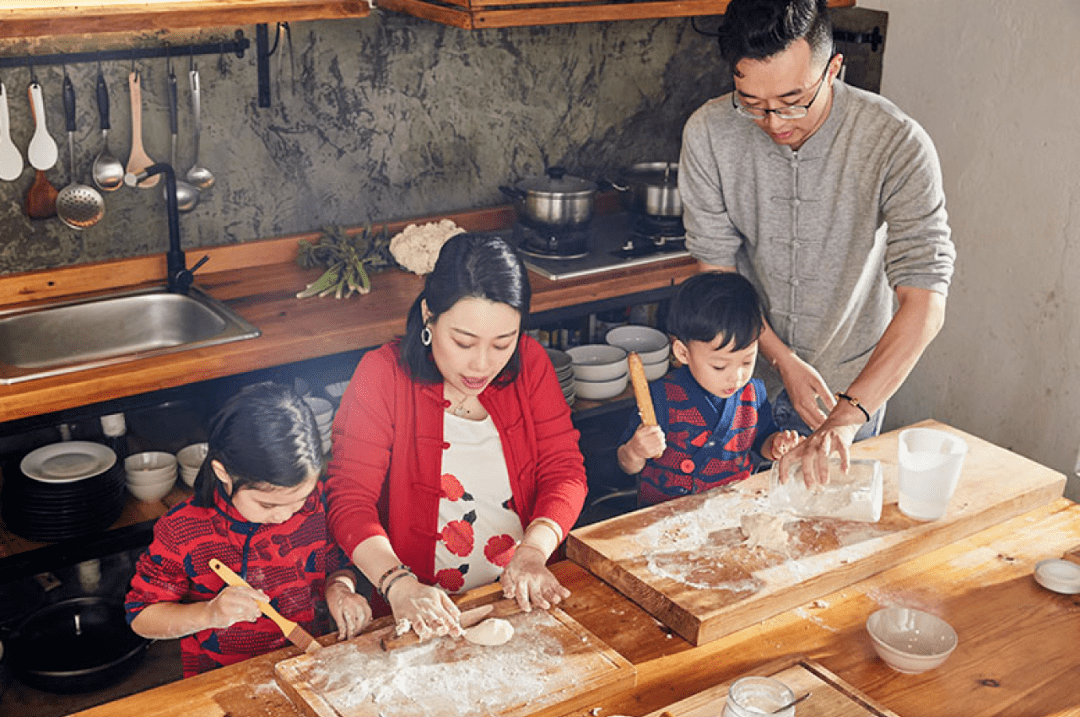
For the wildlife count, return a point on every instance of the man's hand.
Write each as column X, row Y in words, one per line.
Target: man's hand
column 805, row 387
column 813, row 453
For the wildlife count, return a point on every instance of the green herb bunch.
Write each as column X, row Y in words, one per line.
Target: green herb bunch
column 349, row 260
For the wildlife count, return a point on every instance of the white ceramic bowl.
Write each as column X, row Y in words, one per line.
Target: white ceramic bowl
column 601, row 390
column 909, row 640
column 648, row 343
column 598, row 362
column 152, row 492
column 654, row 371
column 192, row 456
column 150, row 467
column 188, row 476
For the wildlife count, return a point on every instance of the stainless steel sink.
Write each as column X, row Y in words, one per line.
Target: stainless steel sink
column 62, row 337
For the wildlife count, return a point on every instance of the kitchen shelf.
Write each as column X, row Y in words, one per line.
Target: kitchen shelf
column 480, row 14
column 40, row 18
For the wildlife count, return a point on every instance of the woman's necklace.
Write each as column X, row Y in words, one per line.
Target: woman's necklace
column 460, row 410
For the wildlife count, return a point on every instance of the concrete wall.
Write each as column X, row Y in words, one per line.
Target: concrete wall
column 994, row 83
column 388, row 117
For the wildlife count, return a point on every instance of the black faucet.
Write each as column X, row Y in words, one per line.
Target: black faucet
column 179, row 277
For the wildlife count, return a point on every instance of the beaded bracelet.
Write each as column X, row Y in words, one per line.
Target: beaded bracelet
column 399, row 576
column 388, row 573
column 854, row 402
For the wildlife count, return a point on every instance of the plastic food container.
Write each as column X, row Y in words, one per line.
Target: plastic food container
column 856, row 495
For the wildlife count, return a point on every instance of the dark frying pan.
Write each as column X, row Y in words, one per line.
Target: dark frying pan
column 76, row 645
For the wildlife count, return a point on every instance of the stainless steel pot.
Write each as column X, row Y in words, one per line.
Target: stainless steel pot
column 653, row 188
column 555, row 201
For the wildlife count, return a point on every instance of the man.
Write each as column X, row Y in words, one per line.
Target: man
column 829, row 199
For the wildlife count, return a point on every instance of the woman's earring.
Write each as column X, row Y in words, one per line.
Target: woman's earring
column 425, row 336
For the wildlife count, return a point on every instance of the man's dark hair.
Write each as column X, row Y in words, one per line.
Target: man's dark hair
column 758, row 29
column 716, row 303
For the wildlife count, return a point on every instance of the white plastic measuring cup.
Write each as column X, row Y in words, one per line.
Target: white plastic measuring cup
column 930, row 462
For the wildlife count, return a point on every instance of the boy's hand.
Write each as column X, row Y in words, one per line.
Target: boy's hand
column 235, row 604
column 647, row 442
column 783, row 442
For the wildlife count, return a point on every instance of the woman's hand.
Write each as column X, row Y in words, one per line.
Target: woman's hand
column 423, row 608
column 527, row 580
column 235, row 604
column 350, row 611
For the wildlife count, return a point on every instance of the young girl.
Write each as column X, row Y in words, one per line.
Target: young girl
column 259, row 508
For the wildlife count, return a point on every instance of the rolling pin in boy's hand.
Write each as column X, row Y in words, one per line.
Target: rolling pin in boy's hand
column 648, row 440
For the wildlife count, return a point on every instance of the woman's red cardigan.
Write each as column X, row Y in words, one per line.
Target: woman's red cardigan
column 388, row 443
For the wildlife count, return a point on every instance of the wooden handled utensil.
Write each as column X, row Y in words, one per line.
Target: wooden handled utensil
column 469, row 618
column 138, row 160
column 641, row 390
column 296, row 634
column 42, row 153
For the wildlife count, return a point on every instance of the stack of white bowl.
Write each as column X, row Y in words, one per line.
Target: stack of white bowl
column 600, row 371
column 151, row 475
column 564, row 370
column 651, row 345
column 191, row 459
column 324, row 417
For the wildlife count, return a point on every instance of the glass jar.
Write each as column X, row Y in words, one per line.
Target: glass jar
column 756, row 696
column 855, row 495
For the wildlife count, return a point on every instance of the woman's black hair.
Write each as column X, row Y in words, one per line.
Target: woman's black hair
column 716, row 303
column 264, row 436
column 469, row 266
column 759, row 29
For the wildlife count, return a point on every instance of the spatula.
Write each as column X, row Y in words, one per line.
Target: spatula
column 469, row 618
column 296, row 634
column 138, row 160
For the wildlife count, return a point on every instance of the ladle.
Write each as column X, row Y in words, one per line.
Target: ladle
column 11, row 161
column 201, row 177
column 77, row 205
column 187, row 196
column 138, row 160
column 107, row 172
column 42, row 153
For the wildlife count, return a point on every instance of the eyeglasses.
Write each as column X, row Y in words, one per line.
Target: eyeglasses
column 790, row 112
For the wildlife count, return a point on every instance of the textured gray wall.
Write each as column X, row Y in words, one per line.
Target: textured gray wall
column 388, row 117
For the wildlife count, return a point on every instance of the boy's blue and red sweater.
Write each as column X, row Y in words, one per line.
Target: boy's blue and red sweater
column 710, row 440
column 288, row 561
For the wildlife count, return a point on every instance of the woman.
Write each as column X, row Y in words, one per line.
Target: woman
column 459, row 438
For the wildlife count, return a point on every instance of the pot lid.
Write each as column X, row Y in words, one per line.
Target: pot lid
column 654, row 173
column 557, row 181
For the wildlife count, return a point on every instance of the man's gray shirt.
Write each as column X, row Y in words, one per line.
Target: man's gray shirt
column 825, row 232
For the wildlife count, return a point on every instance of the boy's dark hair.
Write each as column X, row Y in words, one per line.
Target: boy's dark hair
column 263, row 436
column 716, row 303
column 758, row 29
column 469, row 265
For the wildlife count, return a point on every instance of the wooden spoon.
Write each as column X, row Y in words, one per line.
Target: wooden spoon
column 139, row 160
column 41, row 199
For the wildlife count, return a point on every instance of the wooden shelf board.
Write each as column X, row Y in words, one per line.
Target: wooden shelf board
column 37, row 18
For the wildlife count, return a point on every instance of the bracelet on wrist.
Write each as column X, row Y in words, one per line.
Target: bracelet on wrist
column 539, row 550
column 393, row 581
column 854, row 402
column 388, row 573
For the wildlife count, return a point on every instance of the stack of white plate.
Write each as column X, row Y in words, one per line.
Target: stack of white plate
column 600, row 371
column 651, row 345
column 564, row 370
column 191, row 459
column 150, row 475
column 63, row 490
column 324, row 417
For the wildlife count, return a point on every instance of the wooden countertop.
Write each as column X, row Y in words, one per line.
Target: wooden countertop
column 259, row 281
column 1016, row 655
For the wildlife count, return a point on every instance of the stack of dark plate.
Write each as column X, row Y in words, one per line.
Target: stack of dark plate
column 63, row 490
column 564, row 370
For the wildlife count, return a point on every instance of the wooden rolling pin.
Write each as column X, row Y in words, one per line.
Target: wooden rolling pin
column 296, row 634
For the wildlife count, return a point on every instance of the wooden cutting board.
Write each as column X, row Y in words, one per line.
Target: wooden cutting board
column 830, row 696
column 684, row 561
column 551, row 666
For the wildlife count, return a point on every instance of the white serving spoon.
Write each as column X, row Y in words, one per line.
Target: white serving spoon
column 11, row 161
column 42, row 151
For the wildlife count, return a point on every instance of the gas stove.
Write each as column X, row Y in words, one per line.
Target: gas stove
column 610, row 242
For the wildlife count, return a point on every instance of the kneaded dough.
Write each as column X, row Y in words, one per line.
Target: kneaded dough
column 493, row 631
column 762, row 530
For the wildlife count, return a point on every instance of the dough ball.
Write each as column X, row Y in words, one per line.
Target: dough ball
column 493, row 631
column 762, row 530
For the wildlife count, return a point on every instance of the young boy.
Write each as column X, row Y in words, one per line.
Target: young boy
column 711, row 412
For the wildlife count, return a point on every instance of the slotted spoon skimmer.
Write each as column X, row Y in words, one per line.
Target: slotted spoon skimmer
column 77, row 205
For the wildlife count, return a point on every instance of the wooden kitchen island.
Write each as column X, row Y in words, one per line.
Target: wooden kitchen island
column 1017, row 653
